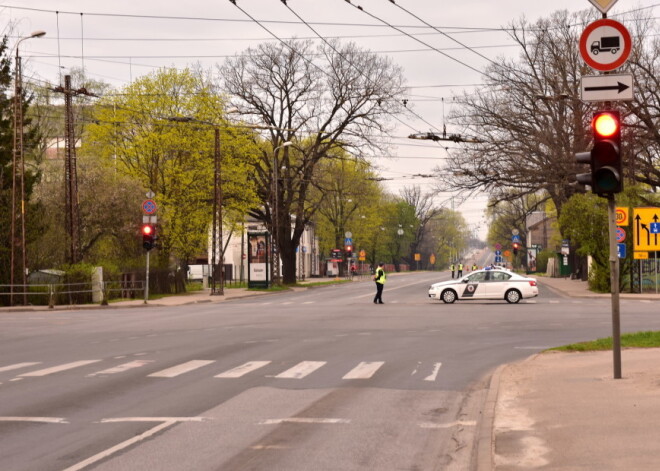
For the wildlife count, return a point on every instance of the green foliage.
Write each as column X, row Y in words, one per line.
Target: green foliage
column 175, row 160
column 647, row 339
column 542, row 260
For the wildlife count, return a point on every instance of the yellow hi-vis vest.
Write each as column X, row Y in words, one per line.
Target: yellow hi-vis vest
column 460, row 267
column 380, row 276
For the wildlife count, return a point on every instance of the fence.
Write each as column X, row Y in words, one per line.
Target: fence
column 69, row 293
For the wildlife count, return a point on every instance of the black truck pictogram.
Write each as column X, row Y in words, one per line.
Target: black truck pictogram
column 606, row 43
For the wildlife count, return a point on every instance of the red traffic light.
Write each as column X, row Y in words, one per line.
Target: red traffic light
column 516, row 245
column 147, row 229
column 148, row 236
column 605, row 124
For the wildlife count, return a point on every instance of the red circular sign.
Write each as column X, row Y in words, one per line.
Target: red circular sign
column 605, row 44
column 149, row 206
column 620, row 234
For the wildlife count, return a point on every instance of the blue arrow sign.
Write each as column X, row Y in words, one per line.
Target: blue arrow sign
column 654, row 227
column 621, row 250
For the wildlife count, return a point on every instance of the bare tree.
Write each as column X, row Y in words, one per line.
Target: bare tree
column 528, row 118
column 320, row 100
column 425, row 211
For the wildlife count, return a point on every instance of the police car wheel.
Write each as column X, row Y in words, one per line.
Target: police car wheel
column 512, row 296
column 448, row 296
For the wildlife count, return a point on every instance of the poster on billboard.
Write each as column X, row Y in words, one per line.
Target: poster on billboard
column 258, row 258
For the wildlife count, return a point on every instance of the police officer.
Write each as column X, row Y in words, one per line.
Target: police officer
column 474, row 266
column 452, row 268
column 379, row 278
column 460, row 270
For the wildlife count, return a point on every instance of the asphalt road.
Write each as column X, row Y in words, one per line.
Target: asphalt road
column 321, row 379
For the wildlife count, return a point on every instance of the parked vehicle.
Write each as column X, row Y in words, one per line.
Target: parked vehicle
column 489, row 283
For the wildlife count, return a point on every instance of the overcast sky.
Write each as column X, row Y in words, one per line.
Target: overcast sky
column 120, row 40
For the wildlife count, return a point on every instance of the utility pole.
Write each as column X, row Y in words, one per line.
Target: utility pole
column 70, row 169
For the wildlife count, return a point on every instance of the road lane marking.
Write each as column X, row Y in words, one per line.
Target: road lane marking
column 364, row 370
column 57, row 369
column 121, row 368
column 243, row 369
column 18, row 366
column 463, row 423
column 434, row 374
column 152, row 419
column 43, row 420
column 110, row 451
column 304, row 420
column 180, row 369
column 301, row 370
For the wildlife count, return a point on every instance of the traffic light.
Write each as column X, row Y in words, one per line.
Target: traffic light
column 348, row 249
column 148, row 236
column 607, row 171
column 516, row 246
column 606, row 176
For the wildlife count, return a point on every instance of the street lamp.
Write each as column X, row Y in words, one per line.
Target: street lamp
column 19, row 161
column 275, row 223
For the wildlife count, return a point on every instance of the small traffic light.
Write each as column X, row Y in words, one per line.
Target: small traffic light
column 606, row 176
column 516, row 246
column 148, row 236
column 607, row 168
column 348, row 249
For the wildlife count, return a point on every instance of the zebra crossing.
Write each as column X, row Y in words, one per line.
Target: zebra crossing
column 363, row 370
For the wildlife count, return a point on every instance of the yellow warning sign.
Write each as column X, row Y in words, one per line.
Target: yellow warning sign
column 645, row 227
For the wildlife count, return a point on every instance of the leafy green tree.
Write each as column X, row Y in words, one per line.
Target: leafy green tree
column 175, row 160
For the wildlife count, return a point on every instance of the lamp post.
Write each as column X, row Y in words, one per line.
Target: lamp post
column 18, row 172
column 275, row 223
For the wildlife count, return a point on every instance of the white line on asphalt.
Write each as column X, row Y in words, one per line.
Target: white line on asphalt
column 152, row 419
column 57, row 369
column 309, row 302
column 304, row 420
column 466, row 423
column 181, row 369
column 121, row 368
column 43, row 420
column 120, row 446
column 243, row 369
column 434, row 375
column 18, row 366
column 301, row 370
column 364, row 370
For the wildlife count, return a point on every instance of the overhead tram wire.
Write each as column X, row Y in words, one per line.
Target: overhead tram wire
column 299, row 54
column 351, row 63
column 480, row 72
column 441, row 32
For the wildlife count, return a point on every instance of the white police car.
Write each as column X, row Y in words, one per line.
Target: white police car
column 486, row 284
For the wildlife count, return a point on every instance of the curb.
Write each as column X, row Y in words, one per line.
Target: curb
column 485, row 438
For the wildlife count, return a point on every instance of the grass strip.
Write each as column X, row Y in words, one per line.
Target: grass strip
column 647, row 339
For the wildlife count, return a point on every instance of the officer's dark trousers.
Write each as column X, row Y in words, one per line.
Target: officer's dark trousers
column 379, row 293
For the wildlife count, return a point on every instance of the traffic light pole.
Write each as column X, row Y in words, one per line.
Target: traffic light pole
column 146, row 282
column 614, row 285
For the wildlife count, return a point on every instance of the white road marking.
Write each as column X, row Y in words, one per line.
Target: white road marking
column 468, row 423
column 181, row 369
column 364, row 370
column 304, row 420
column 434, row 374
column 57, row 369
column 243, row 369
column 301, row 370
column 554, row 302
column 110, row 451
column 121, row 368
column 309, row 302
column 18, row 366
column 43, row 420
column 152, row 419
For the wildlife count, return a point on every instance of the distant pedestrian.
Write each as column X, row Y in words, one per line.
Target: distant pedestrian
column 474, row 267
column 453, row 269
column 379, row 278
column 460, row 270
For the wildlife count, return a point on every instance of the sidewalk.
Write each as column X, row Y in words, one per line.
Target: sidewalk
column 564, row 411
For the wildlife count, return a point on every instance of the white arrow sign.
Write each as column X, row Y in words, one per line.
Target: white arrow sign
column 606, row 87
